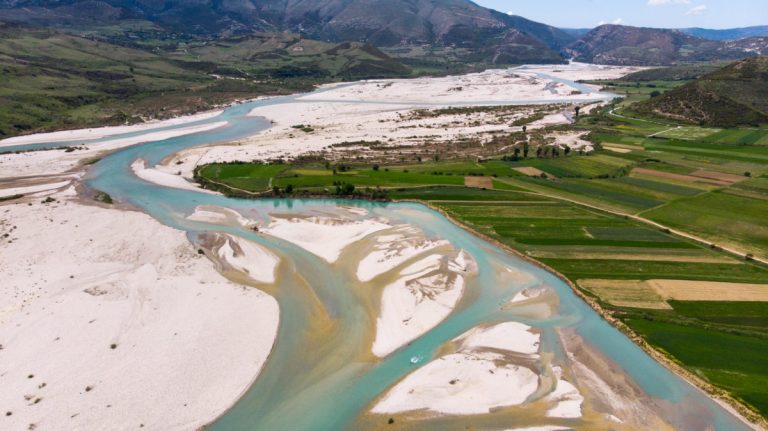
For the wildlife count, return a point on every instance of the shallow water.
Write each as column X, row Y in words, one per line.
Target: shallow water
column 321, row 375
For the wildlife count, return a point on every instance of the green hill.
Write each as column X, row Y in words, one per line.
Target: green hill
column 52, row 80
column 734, row 95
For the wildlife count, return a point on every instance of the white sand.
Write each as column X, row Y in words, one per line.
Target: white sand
column 164, row 179
column 81, row 278
column 509, row 336
column 461, row 384
column 103, row 132
column 491, row 86
column 572, row 141
column 582, row 71
column 33, row 189
column 50, row 162
column 258, row 263
column 526, row 295
column 337, row 116
column 221, row 215
column 323, row 236
column 566, row 396
column 394, row 249
column 424, row 295
column 475, row 379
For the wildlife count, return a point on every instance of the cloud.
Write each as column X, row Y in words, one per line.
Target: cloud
column 617, row 21
column 697, row 10
column 666, row 2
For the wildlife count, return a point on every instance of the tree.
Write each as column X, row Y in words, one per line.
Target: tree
column 567, row 150
column 525, row 150
column 538, row 151
column 578, row 109
column 525, row 129
column 289, row 189
column 655, row 93
column 375, row 167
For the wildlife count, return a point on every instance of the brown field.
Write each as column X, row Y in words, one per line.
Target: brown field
column 681, row 178
column 530, row 171
column 617, row 149
column 686, row 290
column 654, row 293
column 718, row 176
column 479, row 182
column 626, row 293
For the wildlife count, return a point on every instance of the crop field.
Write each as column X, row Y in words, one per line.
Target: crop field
column 735, row 362
column 712, row 215
column 738, row 137
column 743, row 313
column 625, row 293
column 690, row 133
column 581, row 167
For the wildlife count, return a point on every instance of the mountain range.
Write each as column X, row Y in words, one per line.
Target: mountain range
column 624, row 45
column 447, row 23
column 729, row 33
column 474, row 33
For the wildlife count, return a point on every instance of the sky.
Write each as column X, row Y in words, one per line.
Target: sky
column 641, row 13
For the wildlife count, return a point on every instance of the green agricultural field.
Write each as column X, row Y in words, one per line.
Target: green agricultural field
column 689, row 133
column 738, row 137
column 601, row 165
column 753, row 315
column 723, row 217
column 320, row 178
column 733, row 362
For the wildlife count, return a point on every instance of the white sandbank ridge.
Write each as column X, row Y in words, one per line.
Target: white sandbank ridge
column 509, row 336
column 461, row 384
column 566, row 396
column 220, row 215
column 160, row 178
column 390, row 251
column 258, row 263
column 33, row 189
column 103, row 132
column 337, row 116
column 145, row 332
column 37, row 163
column 323, row 236
column 526, row 295
column 424, row 295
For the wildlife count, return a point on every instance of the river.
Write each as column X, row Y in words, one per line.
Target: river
column 325, row 379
